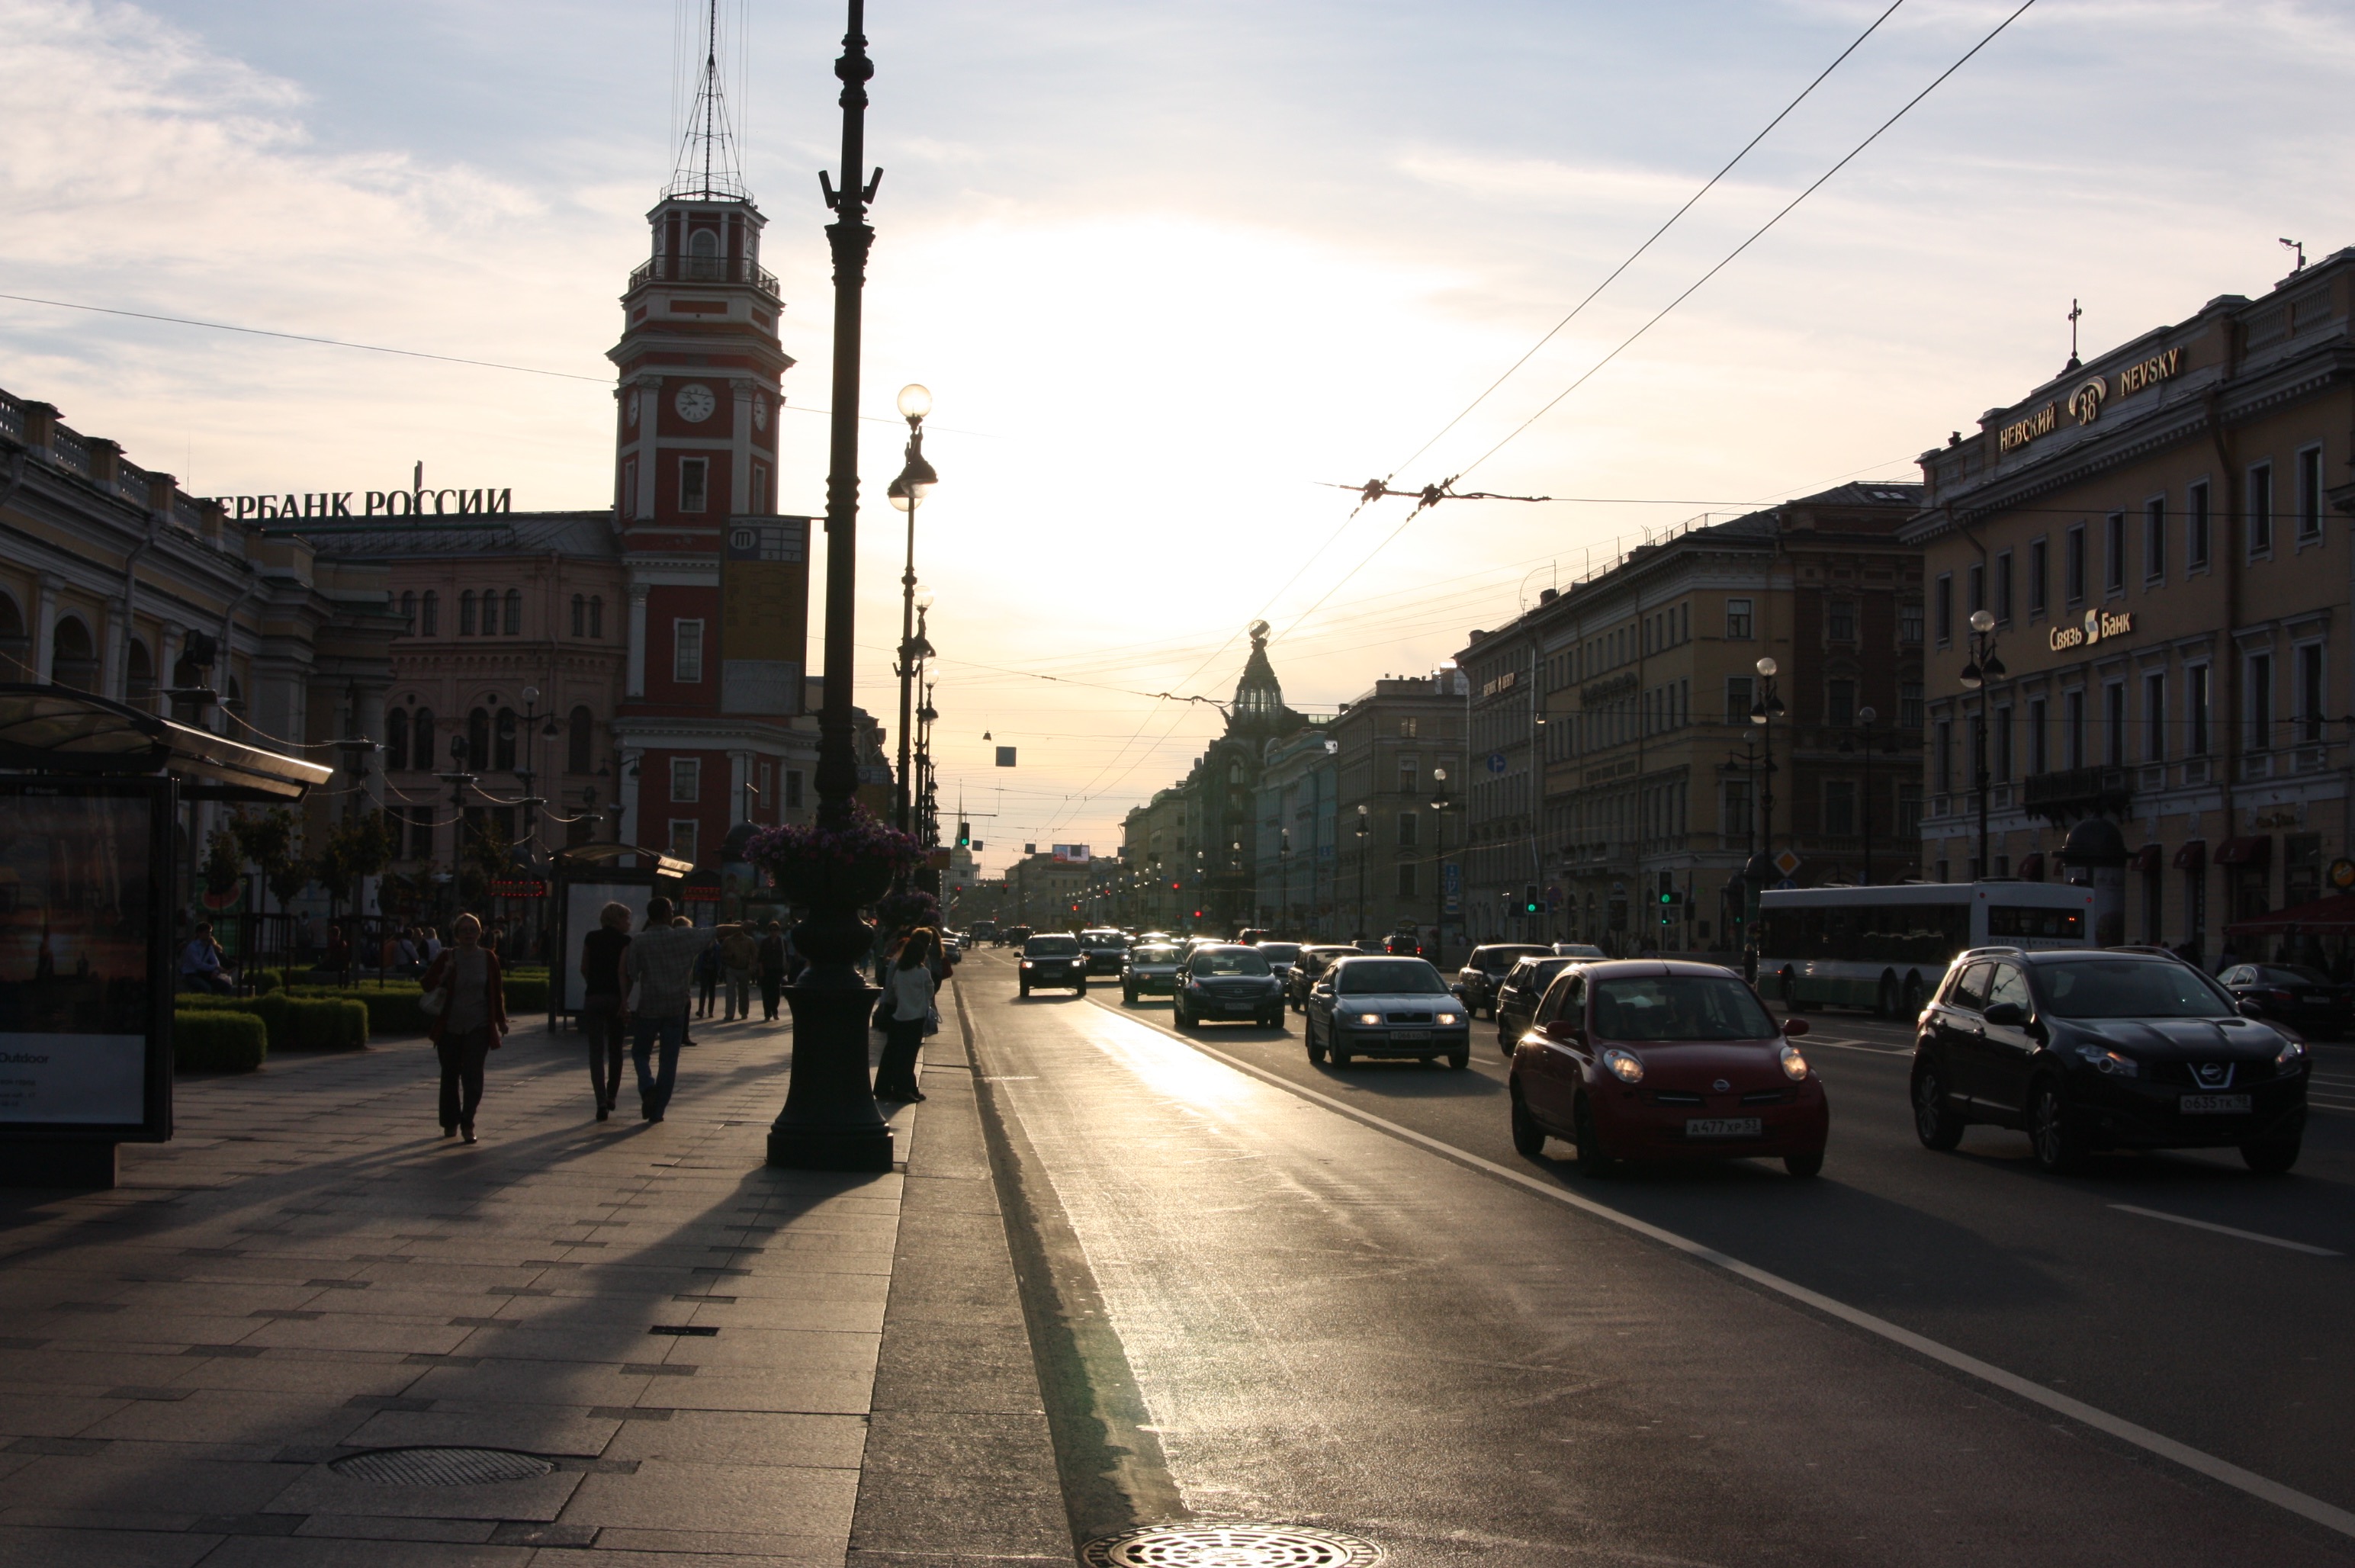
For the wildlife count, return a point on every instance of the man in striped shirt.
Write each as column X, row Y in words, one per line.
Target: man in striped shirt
column 657, row 975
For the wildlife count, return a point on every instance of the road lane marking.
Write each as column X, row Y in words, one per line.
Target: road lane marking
column 1863, row 1045
column 2227, row 1230
column 2220, row 1470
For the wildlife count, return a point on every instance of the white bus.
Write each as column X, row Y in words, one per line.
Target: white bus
column 1886, row 948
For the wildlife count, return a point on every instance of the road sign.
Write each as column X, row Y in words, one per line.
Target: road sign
column 1786, row 863
column 1495, row 762
column 1785, row 882
column 1451, row 879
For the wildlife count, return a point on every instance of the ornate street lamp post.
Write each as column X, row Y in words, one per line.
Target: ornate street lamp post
column 907, row 492
column 1439, row 804
column 1365, row 827
column 1762, row 865
column 1984, row 666
column 830, row 1121
column 1864, row 723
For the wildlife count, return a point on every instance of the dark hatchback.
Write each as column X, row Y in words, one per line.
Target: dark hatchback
column 2295, row 994
column 1311, row 963
column 1518, row 994
column 2086, row 1050
column 1054, row 962
column 1485, row 969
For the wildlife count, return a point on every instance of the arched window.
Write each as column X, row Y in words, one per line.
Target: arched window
column 580, row 615
column 466, row 614
column 430, row 626
column 16, row 648
column 478, row 738
column 395, row 739
column 73, row 660
column 139, row 678
column 421, row 739
column 409, row 609
column 515, row 612
column 703, row 254
column 596, row 616
column 580, row 742
column 505, row 748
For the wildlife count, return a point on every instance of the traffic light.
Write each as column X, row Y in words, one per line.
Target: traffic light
column 965, row 835
column 1531, row 903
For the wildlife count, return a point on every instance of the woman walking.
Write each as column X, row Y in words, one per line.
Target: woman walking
column 909, row 989
column 601, row 1002
column 472, row 1019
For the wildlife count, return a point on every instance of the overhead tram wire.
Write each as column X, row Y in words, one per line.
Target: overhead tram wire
column 1431, row 495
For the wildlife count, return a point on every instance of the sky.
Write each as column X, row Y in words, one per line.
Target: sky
column 1173, row 272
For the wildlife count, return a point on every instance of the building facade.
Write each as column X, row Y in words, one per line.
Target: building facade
column 2158, row 542
column 1398, row 773
column 1298, row 855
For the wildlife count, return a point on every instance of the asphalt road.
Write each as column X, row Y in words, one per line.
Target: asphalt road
column 1328, row 1322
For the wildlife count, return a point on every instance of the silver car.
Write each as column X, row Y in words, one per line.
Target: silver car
column 1386, row 1006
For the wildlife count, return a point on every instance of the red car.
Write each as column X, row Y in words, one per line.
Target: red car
column 1644, row 1059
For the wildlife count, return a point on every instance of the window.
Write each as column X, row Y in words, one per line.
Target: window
column 2073, row 564
column 759, row 498
column 409, row 609
column 2195, row 531
column 1908, row 623
column 1737, row 621
column 1944, row 755
column 2038, row 760
column 2002, row 740
column 2309, row 495
column 792, row 789
column 686, row 651
column 2261, row 508
column 1840, row 807
column 581, row 740
column 1737, row 698
column 395, row 739
column 1840, row 702
column 1942, row 599
column 2195, row 710
column 466, row 614
column 2039, row 577
column 579, row 614
column 2154, row 539
column 430, row 615
column 515, row 612
column 1842, row 622
column 2072, row 727
column 1908, row 813
column 1406, row 728
column 691, row 473
column 2113, row 553
column 2310, row 719
column 1737, row 807
column 686, row 780
column 420, row 738
column 1909, row 705
column 596, row 616
column 478, row 738
column 630, row 488
column 1407, row 823
column 2154, row 716
column 2003, row 587
column 1975, row 582
column 1406, row 880
column 503, row 750
column 2113, row 723
column 2260, row 701
column 682, row 838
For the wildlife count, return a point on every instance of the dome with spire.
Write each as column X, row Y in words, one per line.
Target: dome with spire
column 1259, row 709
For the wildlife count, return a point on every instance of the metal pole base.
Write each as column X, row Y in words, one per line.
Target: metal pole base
column 830, row 1121
column 86, row 1165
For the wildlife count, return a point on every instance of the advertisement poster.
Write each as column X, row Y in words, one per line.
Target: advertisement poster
column 77, row 980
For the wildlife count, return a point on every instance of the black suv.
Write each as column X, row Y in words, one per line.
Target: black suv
column 2085, row 1049
column 1056, row 962
column 1521, row 991
column 1484, row 971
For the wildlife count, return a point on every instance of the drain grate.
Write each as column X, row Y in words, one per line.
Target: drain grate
column 1231, row 1546
column 441, row 1467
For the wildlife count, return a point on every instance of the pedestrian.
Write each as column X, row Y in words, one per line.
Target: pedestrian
column 772, row 963
column 601, row 1018
column 657, row 983
column 430, row 948
column 470, row 1024
column 908, row 1010
column 686, row 1017
column 200, row 962
column 707, row 976
column 738, row 954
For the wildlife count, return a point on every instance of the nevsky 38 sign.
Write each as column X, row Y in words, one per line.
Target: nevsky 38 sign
column 415, row 503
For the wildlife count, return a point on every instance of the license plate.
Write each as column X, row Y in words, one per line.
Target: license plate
column 1409, row 1034
column 2214, row 1105
column 1724, row 1127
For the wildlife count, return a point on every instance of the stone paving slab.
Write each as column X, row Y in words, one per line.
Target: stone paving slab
column 309, row 1270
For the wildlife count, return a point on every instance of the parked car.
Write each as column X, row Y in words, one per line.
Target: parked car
column 1370, row 1006
column 1579, row 950
column 1647, row 1059
column 1477, row 981
column 2294, row 994
column 2086, row 1050
column 1106, row 949
column 1226, row 980
column 1150, row 969
column 1518, row 994
column 1054, row 962
column 1307, row 966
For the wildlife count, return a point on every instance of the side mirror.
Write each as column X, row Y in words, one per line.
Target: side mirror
column 2251, row 1011
column 2006, row 1014
column 1795, row 1027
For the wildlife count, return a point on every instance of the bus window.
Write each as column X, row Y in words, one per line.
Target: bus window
column 2050, row 924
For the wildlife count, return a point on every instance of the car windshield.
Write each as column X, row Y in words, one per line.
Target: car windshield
column 1531, row 974
column 1229, row 961
column 2296, row 973
column 1105, row 939
column 1050, row 947
column 1153, row 955
column 1390, row 977
column 1680, row 1006
column 2128, row 989
column 1496, row 960
column 1280, row 951
column 1578, row 949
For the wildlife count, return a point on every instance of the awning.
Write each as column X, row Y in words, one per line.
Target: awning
column 2253, row 853
column 56, row 730
column 2147, row 859
column 2032, row 867
column 2193, row 857
column 583, row 856
column 2332, row 916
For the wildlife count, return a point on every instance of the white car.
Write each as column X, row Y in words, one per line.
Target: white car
column 1382, row 1006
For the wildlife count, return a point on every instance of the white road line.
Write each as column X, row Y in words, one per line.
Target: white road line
column 1807, row 1041
column 2227, row 1230
column 2222, row 1471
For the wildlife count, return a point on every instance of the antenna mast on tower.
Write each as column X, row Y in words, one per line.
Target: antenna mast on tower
column 706, row 153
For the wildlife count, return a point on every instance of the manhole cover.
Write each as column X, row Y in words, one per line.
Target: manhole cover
column 442, row 1466
column 1231, row 1546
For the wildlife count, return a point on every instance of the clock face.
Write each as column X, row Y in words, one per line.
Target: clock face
column 695, row 403
column 760, row 413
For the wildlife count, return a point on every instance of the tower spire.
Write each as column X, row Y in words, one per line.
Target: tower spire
column 707, row 168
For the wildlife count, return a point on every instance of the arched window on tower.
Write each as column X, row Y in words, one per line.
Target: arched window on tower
column 429, row 613
column 581, row 742
column 395, row 739
column 596, row 616
column 409, row 609
column 579, row 614
column 515, row 612
column 421, row 739
column 703, row 255
column 466, row 614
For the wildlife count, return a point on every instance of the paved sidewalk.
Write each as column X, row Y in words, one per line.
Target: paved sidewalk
column 686, row 1338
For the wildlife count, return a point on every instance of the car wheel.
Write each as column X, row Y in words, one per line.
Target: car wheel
column 2272, row 1157
column 1803, row 1165
column 1080, row 989
column 1504, row 1040
column 2052, row 1137
column 1308, row 1034
column 1128, row 995
column 1529, row 1138
column 1460, row 1059
column 1181, row 1017
column 1911, row 1004
column 1791, row 1002
column 1885, row 1005
column 1935, row 1121
column 1025, row 990
column 1592, row 1159
column 1340, row 1058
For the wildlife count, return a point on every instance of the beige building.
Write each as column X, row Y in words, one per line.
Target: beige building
column 2158, row 542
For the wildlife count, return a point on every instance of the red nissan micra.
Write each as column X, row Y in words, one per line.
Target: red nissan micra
column 1646, row 1059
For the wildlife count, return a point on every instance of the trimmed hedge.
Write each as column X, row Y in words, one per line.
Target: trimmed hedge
column 218, row 1040
column 295, row 1022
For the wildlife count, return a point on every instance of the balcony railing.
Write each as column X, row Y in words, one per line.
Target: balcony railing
column 2078, row 791
column 704, row 270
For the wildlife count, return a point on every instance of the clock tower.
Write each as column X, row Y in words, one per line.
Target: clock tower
column 710, row 721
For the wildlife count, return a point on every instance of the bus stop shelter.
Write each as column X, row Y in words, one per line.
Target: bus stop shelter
column 587, row 878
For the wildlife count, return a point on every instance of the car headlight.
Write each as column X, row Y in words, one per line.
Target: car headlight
column 1623, row 1065
column 2292, row 1057
column 2104, row 1059
column 1370, row 1018
column 1026, row 962
column 1450, row 1018
column 1795, row 1066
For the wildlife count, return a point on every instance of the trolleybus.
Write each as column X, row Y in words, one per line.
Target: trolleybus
column 1885, row 948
